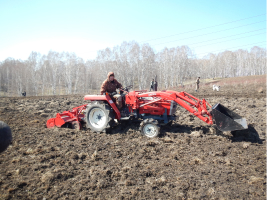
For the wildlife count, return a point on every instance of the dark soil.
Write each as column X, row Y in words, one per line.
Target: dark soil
column 189, row 160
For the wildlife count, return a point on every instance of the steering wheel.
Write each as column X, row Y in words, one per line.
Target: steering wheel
column 126, row 89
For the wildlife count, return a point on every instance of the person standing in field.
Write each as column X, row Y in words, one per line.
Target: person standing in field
column 197, row 83
column 156, row 86
column 151, row 85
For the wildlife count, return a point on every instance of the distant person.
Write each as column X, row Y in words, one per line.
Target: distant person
column 5, row 136
column 197, row 83
column 151, row 85
column 156, row 86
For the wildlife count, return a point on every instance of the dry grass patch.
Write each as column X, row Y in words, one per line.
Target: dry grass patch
column 95, row 155
column 197, row 133
column 255, row 180
column 246, row 145
column 167, row 140
column 211, row 191
column 47, row 177
column 197, row 161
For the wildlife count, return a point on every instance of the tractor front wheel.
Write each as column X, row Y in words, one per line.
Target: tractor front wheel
column 99, row 116
column 150, row 128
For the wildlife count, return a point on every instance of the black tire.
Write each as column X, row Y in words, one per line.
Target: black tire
column 5, row 136
column 99, row 116
column 76, row 125
column 169, row 123
column 150, row 128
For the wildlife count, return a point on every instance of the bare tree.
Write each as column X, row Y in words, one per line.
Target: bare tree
column 33, row 65
column 65, row 73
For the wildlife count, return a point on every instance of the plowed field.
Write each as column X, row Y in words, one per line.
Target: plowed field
column 189, row 160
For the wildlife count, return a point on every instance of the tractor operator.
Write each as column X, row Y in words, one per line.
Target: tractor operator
column 110, row 85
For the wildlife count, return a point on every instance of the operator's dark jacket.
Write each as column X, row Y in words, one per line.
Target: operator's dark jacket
column 110, row 86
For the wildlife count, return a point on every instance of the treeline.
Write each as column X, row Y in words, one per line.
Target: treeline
column 133, row 64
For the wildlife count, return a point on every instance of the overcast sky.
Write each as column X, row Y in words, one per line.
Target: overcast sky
column 86, row 26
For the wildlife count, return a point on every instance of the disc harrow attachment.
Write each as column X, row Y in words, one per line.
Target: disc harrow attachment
column 71, row 118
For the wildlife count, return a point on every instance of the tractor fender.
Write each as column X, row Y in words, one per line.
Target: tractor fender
column 107, row 99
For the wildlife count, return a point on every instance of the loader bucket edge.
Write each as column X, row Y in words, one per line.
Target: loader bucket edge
column 227, row 120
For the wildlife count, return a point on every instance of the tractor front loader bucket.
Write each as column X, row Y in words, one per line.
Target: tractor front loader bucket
column 227, row 120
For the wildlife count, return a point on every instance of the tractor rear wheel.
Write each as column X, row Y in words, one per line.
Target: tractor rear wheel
column 150, row 128
column 99, row 116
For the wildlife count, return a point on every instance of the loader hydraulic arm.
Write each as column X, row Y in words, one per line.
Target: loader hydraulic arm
column 202, row 112
column 192, row 104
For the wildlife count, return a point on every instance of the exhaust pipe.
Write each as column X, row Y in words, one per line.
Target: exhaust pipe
column 227, row 120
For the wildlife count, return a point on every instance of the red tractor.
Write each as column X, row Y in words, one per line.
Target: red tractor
column 151, row 108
